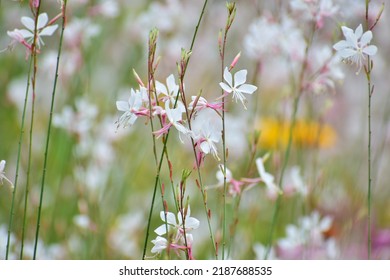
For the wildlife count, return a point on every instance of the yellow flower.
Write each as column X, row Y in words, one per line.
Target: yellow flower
column 307, row 134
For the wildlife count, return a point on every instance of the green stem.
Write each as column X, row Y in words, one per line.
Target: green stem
column 12, row 211
column 46, row 153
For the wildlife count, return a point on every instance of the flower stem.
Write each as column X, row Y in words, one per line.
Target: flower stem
column 12, row 211
column 46, row 153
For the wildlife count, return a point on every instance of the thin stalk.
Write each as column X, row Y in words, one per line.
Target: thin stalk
column 165, row 144
column 369, row 198
column 33, row 65
column 12, row 211
column 298, row 93
column 231, row 14
column 29, row 163
column 46, row 153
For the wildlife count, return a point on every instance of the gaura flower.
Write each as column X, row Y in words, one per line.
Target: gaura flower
column 43, row 29
column 170, row 91
column 160, row 244
column 189, row 223
column 238, row 87
column 356, row 46
column 130, row 109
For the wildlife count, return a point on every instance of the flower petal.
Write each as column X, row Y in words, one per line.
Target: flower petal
column 225, row 87
column 192, row 223
column 370, row 50
column 28, row 23
column 343, row 44
column 359, row 31
column 170, row 218
column 43, row 19
column 48, row 31
column 122, row 105
column 346, row 53
column 161, row 230
column 249, row 89
column 228, row 77
column 366, row 38
column 240, row 77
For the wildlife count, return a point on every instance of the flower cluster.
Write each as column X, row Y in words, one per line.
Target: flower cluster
column 179, row 238
column 168, row 105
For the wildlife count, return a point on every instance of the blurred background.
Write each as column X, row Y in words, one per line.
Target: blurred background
column 100, row 180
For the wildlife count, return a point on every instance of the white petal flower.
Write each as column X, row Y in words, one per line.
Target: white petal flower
column 190, row 223
column 238, row 87
column 208, row 137
column 169, row 93
column 355, row 48
column 160, row 244
column 129, row 108
column 29, row 23
column 175, row 116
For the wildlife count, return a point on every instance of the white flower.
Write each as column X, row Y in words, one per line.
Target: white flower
column 190, row 223
column 208, row 137
column 356, row 46
column 2, row 173
column 175, row 116
column 169, row 93
column 42, row 28
column 160, row 244
column 129, row 108
column 267, row 178
column 238, row 87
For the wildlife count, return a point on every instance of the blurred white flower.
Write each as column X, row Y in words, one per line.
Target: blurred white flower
column 267, row 178
column 2, row 173
column 315, row 10
column 356, row 46
column 42, row 30
column 238, row 87
column 160, row 244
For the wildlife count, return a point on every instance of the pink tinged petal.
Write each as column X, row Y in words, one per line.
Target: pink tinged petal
column 370, row 50
column 28, row 23
column 228, row 77
column 240, row 77
column 122, row 106
column 48, row 31
column 249, row 89
column 366, row 38
column 43, row 19
column 225, row 87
